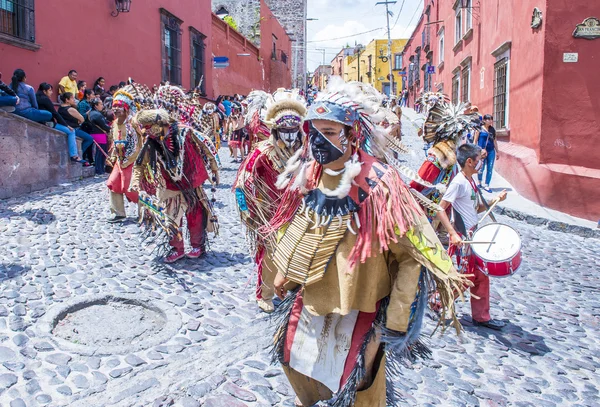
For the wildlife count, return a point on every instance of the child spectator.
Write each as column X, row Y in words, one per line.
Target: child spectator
column 99, row 87
column 27, row 106
column 81, row 86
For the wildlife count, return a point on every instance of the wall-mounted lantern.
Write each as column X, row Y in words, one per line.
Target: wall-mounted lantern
column 121, row 6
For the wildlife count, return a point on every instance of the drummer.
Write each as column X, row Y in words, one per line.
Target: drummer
column 462, row 195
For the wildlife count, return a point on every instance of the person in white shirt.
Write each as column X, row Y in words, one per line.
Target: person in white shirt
column 462, row 194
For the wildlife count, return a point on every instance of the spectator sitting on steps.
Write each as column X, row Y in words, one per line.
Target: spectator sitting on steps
column 99, row 87
column 99, row 131
column 68, row 83
column 81, row 87
column 27, row 106
column 84, row 105
column 74, row 119
column 44, row 99
column 8, row 97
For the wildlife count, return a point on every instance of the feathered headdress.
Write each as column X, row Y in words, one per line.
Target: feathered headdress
column 257, row 105
column 447, row 121
column 287, row 108
column 353, row 104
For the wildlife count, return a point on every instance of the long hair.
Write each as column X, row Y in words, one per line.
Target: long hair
column 44, row 86
column 97, row 82
column 17, row 78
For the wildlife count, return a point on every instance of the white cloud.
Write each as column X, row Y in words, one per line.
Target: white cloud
column 343, row 18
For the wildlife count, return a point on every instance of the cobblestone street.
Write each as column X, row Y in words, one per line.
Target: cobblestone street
column 56, row 248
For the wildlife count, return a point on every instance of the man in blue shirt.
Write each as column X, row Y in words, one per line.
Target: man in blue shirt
column 227, row 105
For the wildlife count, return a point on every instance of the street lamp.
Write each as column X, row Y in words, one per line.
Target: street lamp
column 121, row 6
column 222, row 12
column 305, row 84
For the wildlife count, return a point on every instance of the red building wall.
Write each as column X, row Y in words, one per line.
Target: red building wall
column 546, row 150
column 257, row 71
column 278, row 71
column 91, row 41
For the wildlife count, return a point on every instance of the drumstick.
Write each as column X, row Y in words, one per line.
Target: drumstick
column 489, row 210
column 473, row 242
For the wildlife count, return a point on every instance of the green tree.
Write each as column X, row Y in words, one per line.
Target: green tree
column 229, row 20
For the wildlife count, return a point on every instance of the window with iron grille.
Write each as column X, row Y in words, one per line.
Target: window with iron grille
column 500, row 93
column 284, row 57
column 427, row 79
column 456, row 88
column 466, row 84
column 17, row 19
column 171, row 47
column 417, row 65
column 197, row 53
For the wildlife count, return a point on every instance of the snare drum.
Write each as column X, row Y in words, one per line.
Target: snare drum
column 501, row 258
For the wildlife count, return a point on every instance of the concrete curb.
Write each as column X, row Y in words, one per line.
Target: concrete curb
column 549, row 224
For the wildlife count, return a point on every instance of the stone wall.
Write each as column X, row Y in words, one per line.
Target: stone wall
column 33, row 157
column 292, row 15
column 246, row 13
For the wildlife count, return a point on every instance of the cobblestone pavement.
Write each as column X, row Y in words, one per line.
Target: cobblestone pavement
column 55, row 247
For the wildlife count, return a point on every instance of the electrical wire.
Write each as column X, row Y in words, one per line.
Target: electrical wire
column 399, row 13
column 412, row 18
column 347, row 36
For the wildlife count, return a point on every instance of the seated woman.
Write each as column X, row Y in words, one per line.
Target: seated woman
column 27, row 106
column 73, row 119
column 44, row 100
column 99, row 131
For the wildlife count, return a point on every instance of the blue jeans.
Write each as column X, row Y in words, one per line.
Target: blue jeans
column 488, row 166
column 71, row 142
column 100, row 159
column 8, row 100
column 87, row 139
column 40, row 116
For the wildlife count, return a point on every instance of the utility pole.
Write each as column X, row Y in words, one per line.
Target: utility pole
column 304, row 79
column 322, row 68
column 387, row 16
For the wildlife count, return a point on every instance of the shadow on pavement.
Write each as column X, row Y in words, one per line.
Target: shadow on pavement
column 512, row 336
column 39, row 216
column 12, row 270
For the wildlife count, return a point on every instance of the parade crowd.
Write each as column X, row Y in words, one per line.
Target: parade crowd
column 347, row 254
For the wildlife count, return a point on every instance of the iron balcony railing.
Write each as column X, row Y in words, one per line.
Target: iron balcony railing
column 17, row 18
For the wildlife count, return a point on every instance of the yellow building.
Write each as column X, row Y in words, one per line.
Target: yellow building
column 371, row 65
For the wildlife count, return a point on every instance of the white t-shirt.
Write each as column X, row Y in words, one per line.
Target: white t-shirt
column 463, row 198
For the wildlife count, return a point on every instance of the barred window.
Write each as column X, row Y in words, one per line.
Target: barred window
column 466, row 84
column 456, row 88
column 198, row 60
column 17, row 19
column 171, row 47
column 500, row 93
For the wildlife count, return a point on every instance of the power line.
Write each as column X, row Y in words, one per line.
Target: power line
column 399, row 13
column 348, row 36
column 412, row 18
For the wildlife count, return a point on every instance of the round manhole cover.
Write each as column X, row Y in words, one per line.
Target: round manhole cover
column 110, row 324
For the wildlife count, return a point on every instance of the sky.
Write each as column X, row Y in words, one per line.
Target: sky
column 343, row 18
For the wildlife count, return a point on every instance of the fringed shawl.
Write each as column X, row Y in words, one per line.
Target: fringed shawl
column 386, row 212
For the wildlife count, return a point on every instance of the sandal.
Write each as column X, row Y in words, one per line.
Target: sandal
column 76, row 159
